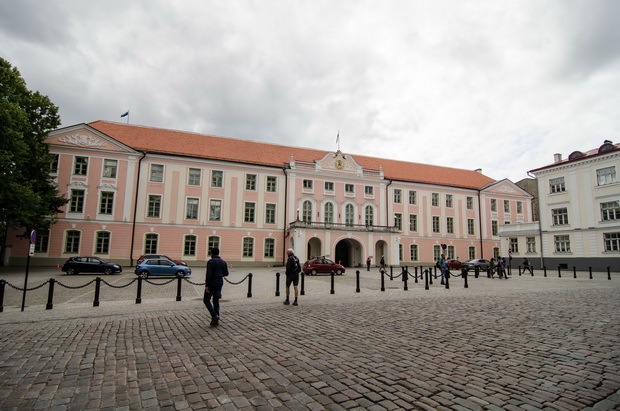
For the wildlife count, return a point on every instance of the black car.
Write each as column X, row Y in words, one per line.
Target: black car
column 76, row 265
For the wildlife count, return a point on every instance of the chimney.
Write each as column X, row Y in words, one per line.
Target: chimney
column 478, row 170
column 557, row 157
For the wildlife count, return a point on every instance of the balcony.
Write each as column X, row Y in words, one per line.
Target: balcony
column 344, row 227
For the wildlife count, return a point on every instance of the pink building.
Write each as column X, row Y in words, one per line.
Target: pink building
column 136, row 190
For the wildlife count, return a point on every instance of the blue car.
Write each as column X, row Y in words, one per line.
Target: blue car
column 161, row 267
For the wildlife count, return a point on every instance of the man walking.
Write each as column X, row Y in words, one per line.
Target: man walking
column 217, row 269
column 293, row 268
column 443, row 268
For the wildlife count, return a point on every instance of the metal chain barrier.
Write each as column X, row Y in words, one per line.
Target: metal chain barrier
column 119, row 286
column 74, row 287
column 27, row 289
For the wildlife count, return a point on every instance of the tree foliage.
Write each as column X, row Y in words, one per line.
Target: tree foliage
column 28, row 194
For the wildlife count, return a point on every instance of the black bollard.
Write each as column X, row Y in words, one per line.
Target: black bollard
column 139, row 293
column 382, row 280
column 532, row 270
column 426, row 275
column 250, row 285
column 545, row 270
column 97, row 291
column 464, row 274
column 50, row 295
column 590, row 269
column 574, row 272
column 559, row 271
column 357, row 281
column 2, row 286
column 333, row 275
column 277, row 284
column 519, row 271
column 447, row 275
column 430, row 275
column 415, row 271
column 391, row 273
column 609, row 273
column 303, row 283
column 405, row 279
column 179, row 279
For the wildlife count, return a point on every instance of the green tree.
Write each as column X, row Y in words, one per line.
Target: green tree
column 28, row 195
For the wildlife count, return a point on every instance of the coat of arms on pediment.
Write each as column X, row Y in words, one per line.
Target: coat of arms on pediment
column 338, row 162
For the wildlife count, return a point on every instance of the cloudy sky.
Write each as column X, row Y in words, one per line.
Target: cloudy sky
column 497, row 85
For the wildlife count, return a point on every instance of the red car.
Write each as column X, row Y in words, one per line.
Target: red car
column 454, row 264
column 322, row 265
column 145, row 256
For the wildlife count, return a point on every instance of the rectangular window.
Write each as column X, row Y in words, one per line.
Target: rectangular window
column 493, row 204
column 606, row 175
column 248, row 247
column 451, row 252
column 506, row 206
column 449, row 200
column 106, row 206
column 249, row 213
column 495, row 253
column 494, row 227
column 191, row 209
column 556, row 185
column 215, row 210
column 435, row 199
column 531, row 244
column 329, row 186
column 369, row 190
column 514, row 244
column 43, row 240
column 562, row 243
column 154, row 209
column 559, row 216
column 413, row 222
column 189, row 247
column 413, row 197
column 398, row 221
column 76, row 203
column 72, row 244
column 400, row 252
column 272, row 184
column 213, row 242
column 150, row 243
column 217, row 179
column 413, row 252
column 471, row 252
column 435, row 224
column 610, row 210
column 307, row 185
column 109, row 168
column 436, row 252
column 250, row 182
column 470, row 226
column 80, row 168
column 193, row 176
column 519, row 207
column 103, row 242
column 349, row 189
column 270, row 213
column 54, row 163
column 270, row 247
column 398, row 196
column 612, row 241
column 470, row 203
column 157, row 173
column 450, row 225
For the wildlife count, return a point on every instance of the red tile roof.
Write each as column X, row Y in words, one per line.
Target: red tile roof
column 188, row 144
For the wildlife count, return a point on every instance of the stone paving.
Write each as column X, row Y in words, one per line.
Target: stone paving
column 520, row 344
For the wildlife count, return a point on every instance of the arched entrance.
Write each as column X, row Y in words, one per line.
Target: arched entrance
column 380, row 250
column 314, row 248
column 349, row 253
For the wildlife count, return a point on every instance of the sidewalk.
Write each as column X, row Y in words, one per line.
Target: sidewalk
column 522, row 343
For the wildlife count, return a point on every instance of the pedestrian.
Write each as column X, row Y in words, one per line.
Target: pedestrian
column 368, row 264
column 442, row 268
column 527, row 265
column 491, row 272
column 217, row 269
column 382, row 263
column 500, row 267
column 293, row 268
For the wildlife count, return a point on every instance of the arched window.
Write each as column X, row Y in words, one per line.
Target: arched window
column 307, row 212
column 329, row 213
column 370, row 216
column 349, row 214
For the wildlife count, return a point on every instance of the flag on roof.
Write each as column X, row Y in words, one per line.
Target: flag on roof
column 126, row 114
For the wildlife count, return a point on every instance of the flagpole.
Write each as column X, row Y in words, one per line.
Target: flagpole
column 338, row 140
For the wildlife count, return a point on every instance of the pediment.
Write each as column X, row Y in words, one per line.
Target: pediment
column 339, row 162
column 505, row 187
column 84, row 137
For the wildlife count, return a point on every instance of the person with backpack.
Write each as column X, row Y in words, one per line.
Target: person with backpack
column 293, row 268
column 217, row 269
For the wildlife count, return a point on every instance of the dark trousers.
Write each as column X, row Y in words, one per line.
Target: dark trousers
column 215, row 293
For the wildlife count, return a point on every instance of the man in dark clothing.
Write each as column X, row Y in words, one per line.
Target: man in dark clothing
column 293, row 268
column 217, row 269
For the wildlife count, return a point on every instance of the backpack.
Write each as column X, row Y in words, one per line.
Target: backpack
column 296, row 266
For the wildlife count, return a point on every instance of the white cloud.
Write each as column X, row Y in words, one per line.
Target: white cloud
column 492, row 85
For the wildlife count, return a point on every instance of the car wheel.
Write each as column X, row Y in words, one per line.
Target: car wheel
column 313, row 272
column 144, row 275
column 339, row 272
column 180, row 273
column 71, row 271
column 107, row 271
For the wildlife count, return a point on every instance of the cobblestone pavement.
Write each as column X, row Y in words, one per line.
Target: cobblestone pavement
column 520, row 344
